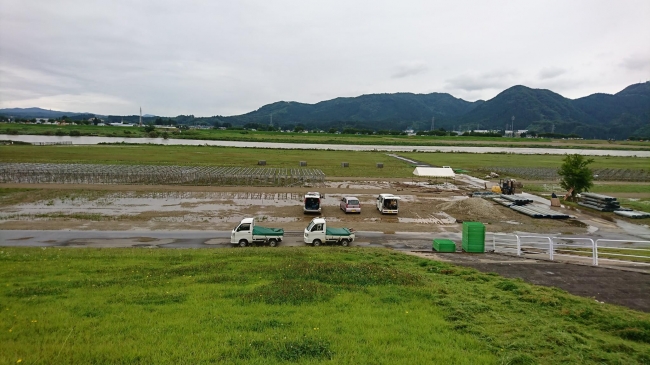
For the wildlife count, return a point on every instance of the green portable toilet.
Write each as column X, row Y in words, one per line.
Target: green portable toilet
column 473, row 237
column 443, row 245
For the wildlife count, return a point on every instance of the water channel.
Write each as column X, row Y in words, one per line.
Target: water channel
column 308, row 146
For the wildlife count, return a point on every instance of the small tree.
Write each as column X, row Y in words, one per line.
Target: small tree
column 149, row 128
column 576, row 174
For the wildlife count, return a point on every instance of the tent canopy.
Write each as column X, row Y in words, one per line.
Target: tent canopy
column 434, row 172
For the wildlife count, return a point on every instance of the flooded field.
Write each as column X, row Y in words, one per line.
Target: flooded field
column 423, row 208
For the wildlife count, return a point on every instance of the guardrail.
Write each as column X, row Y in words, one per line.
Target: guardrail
column 574, row 247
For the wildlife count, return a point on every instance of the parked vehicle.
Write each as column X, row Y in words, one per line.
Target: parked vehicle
column 248, row 232
column 388, row 203
column 350, row 204
column 317, row 233
column 312, row 202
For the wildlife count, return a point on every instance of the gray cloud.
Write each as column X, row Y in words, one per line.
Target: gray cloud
column 207, row 57
column 637, row 62
column 410, row 69
column 551, row 72
column 473, row 81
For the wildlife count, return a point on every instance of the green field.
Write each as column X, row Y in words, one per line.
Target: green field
column 362, row 164
column 294, row 305
column 320, row 138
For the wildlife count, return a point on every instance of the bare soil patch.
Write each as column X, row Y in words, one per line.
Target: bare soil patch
column 627, row 288
column 424, row 208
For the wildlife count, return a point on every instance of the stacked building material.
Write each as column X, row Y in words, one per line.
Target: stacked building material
column 539, row 212
column 524, row 206
column 473, row 237
column 484, row 194
column 632, row 214
column 600, row 202
column 517, row 200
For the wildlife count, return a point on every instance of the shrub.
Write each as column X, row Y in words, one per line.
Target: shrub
column 60, row 132
column 75, row 133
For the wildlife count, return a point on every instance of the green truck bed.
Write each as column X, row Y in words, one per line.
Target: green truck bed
column 264, row 231
column 337, row 231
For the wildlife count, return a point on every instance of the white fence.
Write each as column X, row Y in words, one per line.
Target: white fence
column 575, row 248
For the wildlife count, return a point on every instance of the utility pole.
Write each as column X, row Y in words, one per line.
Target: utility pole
column 271, row 124
column 140, row 116
column 433, row 123
column 513, row 126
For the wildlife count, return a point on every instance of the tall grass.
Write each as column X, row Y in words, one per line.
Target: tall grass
column 304, row 305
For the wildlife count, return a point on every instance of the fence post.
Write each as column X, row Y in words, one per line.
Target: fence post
column 518, row 246
column 494, row 242
column 550, row 252
column 594, row 244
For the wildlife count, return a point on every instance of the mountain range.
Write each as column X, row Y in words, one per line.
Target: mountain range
column 622, row 115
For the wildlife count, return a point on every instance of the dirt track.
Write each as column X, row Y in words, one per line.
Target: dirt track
column 626, row 288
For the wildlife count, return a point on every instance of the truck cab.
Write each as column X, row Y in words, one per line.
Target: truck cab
column 388, row 203
column 312, row 202
column 247, row 232
column 317, row 233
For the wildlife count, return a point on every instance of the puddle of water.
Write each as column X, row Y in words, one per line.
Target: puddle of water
column 512, row 222
column 441, row 186
column 439, row 218
column 358, row 185
column 132, row 203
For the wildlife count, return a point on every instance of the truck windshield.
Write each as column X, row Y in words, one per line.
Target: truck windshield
column 311, row 224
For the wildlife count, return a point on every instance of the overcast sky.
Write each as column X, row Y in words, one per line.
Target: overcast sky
column 231, row 57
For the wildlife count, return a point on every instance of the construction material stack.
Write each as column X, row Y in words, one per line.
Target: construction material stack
column 473, row 237
column 525, row 206
column 600, row 202
column 444, row 245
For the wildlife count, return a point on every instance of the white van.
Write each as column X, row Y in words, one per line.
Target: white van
column 388, row 203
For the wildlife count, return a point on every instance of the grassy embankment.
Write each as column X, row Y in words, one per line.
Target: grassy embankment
column 320, row 138
column 303, row 305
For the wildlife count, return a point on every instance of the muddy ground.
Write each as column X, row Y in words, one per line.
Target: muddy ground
column 425, row 207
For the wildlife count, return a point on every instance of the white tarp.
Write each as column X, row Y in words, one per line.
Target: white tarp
column 434, row 172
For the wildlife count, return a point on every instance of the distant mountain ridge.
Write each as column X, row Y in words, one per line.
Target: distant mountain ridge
column 621, row 115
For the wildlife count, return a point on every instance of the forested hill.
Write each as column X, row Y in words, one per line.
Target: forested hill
column 622, row 115
column 374, row 111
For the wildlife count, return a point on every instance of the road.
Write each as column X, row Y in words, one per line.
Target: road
column 188, row 239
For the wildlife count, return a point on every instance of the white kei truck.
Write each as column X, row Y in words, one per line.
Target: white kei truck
column 317, row 233
column 247, row 232
column 388, row 203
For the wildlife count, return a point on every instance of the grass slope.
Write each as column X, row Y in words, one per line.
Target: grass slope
column 299, row 305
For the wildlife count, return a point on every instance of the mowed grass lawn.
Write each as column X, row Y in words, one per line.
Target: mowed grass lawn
column 361, row 164
column 293, row 305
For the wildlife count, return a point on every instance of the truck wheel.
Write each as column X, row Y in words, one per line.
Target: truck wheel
column 273, row 242
column 243, row 243
column 345, row 243
column 316, row 243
